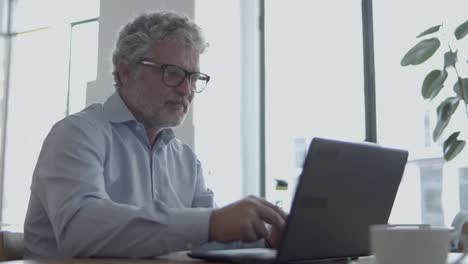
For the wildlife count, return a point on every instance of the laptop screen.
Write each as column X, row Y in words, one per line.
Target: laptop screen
column 344, row 188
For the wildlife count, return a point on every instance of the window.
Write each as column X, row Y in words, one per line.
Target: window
column 4, row 62
column 314, row 81
column 44, row 62
column 217, row 110
column 35, row 103
column 83, row 62
column 430, row 190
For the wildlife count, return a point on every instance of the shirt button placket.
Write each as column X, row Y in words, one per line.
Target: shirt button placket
column 153, row 172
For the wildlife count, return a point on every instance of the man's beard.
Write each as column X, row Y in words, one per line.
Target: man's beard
column 151, row 119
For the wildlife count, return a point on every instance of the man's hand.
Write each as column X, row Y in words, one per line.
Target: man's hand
column 246, row 220
column 274, row 237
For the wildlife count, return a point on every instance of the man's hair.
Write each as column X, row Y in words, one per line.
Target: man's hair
column 136, row 38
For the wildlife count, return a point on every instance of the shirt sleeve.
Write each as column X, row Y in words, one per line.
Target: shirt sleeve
column 69, row 183
column 204, row 197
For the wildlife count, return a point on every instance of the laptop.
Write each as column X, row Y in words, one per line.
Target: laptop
column 344, row 188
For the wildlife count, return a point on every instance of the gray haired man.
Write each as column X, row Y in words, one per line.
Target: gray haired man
column 113, row 181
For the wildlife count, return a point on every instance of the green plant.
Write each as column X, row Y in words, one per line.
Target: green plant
column 435, row 80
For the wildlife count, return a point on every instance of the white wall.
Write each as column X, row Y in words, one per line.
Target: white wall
column 113, row 15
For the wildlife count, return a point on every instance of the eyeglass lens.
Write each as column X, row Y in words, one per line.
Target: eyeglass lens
column 174, row 76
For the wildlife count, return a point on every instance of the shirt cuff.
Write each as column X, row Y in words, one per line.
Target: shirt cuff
column 192, row 224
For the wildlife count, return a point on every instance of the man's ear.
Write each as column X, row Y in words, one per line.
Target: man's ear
column 124, row 73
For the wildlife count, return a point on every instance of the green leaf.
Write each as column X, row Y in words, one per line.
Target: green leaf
column 450, row 59
column 429, row 31
column 421, row 52
column 457, row 88
column 444, row 112
column 433, row 83
column 461, row 30
column 453, row 146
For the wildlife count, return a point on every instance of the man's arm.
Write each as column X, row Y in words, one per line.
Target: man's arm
column 242, row 222
column 203, row 197
column 69, row 183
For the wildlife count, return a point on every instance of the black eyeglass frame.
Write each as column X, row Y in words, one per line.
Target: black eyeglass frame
column 203, row 77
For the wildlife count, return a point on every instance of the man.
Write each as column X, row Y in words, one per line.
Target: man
column 112, row 180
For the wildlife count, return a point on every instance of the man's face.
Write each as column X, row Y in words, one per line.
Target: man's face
column 152, row 102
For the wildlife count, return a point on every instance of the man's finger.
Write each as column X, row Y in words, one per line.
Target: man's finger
column 260, row 229
column 278, row 210
column 269, row 242
column 267, row 214
column 250, row 234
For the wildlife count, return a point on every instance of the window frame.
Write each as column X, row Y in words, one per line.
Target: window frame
column 6, row 33
column 73, row 24
column 369, row 84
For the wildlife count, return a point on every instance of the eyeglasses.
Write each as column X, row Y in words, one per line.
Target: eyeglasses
column 173, row 75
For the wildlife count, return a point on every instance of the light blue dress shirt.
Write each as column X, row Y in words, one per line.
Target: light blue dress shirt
column 101, row 189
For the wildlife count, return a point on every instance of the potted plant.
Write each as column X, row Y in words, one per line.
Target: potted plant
column 436, row 79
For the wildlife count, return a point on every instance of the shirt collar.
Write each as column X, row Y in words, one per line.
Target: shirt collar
column 166, row 135
column 117, row 112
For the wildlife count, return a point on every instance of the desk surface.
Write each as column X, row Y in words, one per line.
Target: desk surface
column 174, row 258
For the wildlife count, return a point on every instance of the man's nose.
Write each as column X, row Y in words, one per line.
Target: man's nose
column 185, row 87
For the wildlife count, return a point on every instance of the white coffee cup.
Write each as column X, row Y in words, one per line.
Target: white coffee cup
column 409, row 244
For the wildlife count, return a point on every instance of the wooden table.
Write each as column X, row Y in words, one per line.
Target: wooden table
column 174, row 258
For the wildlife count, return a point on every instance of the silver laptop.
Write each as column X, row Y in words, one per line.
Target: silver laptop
column 344, row 188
